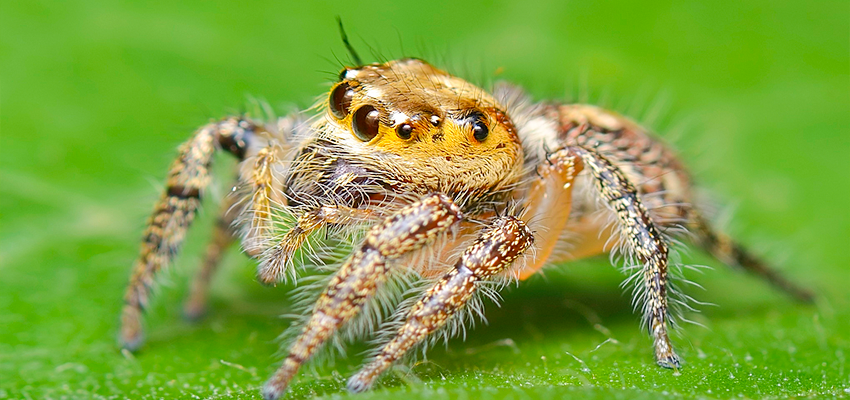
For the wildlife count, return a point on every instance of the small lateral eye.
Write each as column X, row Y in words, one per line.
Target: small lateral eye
column 404, row 131
column 479, row 129
column 365, row 122
column 340, row 100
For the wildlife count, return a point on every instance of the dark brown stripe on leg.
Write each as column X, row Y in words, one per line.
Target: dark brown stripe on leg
column 493, row 252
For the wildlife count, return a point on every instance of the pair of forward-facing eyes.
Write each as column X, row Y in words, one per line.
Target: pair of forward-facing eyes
column 366, row 119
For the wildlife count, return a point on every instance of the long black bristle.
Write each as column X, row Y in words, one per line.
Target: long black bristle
column 348, row 46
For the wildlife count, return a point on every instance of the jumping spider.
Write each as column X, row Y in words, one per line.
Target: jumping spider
column 437, row 177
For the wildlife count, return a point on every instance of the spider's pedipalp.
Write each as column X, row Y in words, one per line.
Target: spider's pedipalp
column 493, row 252
column 259, row 210
column 276, row 259
column 174, row 212
column 409, row 229
column 549, row 201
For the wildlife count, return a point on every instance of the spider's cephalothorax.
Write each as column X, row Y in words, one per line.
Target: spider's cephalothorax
column 436, row 169
column 406, row 128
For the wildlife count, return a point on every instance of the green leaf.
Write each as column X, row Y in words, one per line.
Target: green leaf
column 97, row 94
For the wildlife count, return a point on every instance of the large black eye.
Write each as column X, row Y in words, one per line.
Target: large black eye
column 340, row 100
column 404, row 131
column 365, row 122
column 479, row 127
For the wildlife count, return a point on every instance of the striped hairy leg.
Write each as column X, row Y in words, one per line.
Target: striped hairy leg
column 188, row 177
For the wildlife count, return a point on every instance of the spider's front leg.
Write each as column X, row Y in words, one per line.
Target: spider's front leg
column 356, row 281
column 492, row 253
column 642, row 240
column 174, row 212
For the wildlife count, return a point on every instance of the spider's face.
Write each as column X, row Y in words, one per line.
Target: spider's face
column 423, row 126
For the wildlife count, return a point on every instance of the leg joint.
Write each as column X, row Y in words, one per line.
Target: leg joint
column 234, row 135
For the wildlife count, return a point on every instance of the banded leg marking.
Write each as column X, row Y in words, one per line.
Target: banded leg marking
column 188, row 177
column 643, row 241
column 357, row 280
column 493, row 252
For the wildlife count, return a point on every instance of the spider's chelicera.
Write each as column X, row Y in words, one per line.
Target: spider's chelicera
column 429, row 175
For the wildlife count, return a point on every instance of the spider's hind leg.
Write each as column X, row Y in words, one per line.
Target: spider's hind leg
column 731, row 253
column 223, row 236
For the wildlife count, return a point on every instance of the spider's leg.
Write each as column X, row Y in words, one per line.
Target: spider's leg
column 223, row 236
column 642, row 240
column 492, row 253
column 732, row 253
column 409, row 229
column 187, row 179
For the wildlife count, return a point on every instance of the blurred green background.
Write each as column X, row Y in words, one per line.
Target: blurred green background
column 95, row 95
